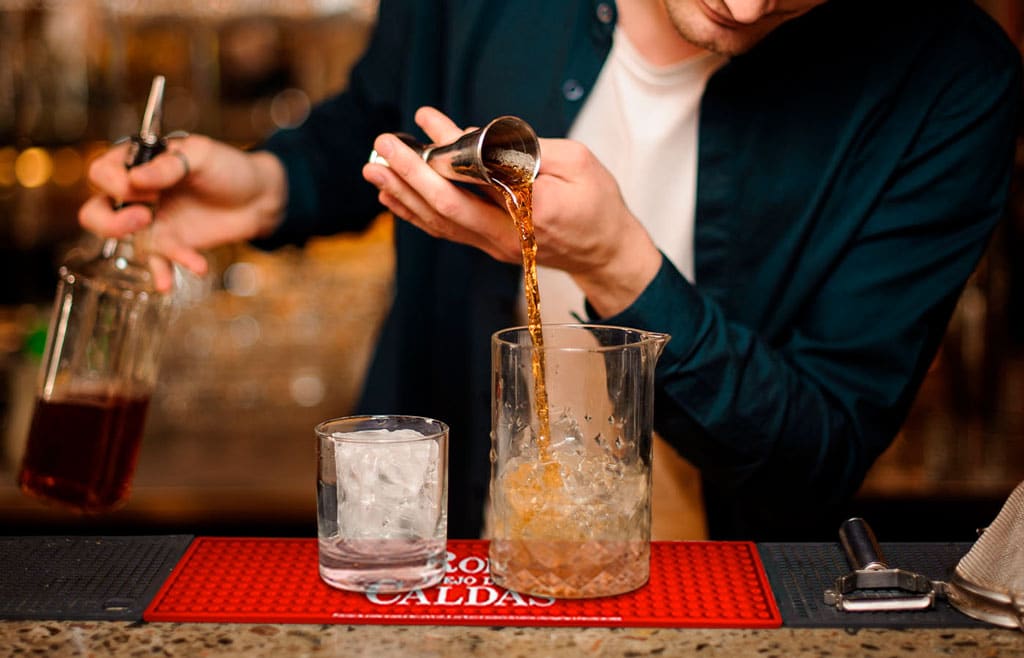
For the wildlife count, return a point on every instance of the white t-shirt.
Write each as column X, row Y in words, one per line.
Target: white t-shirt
column 641, row 123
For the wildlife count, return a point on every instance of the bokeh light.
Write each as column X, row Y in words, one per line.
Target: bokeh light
column 33, row 167
column 8, row 154
column 67, row 166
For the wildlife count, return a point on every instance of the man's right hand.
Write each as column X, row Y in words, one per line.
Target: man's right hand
column 221, row 196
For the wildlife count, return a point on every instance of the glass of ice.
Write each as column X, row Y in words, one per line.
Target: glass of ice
column 382, row 499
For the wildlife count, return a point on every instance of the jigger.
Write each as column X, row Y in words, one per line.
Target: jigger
column 505, row 144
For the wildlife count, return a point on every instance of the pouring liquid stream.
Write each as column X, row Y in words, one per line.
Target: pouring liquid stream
column 516, row 186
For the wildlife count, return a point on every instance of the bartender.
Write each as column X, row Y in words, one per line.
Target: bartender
column 795, row 190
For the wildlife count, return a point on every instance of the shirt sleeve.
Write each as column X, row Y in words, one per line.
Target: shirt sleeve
column 796, row 423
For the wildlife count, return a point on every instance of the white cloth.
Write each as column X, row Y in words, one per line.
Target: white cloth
column 641, row 123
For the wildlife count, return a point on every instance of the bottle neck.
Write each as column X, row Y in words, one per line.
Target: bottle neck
column 121, row 263
column 119, row 248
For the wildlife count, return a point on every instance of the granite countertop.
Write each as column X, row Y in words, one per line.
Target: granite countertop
column 296, row 640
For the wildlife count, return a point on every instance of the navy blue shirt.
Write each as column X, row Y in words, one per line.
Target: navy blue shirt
column 851, row 169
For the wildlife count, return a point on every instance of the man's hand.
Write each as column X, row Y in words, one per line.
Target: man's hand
column 580, row 220
column 205, row 193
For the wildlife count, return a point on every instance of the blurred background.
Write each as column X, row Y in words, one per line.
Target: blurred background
column 277, row 342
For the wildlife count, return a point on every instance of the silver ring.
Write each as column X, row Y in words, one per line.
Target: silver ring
column 184, row 161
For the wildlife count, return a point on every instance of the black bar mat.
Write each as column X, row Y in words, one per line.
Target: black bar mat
column 799, row 573
column 84, row 578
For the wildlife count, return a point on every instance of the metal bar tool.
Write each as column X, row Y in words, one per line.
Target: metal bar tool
column 480, row 156
column 873, row 585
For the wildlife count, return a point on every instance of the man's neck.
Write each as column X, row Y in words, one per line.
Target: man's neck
column 647, row 26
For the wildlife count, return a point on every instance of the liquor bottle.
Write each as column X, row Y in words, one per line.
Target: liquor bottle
column 100, row 365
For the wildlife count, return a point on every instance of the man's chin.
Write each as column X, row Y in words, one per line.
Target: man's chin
column 727, row 45
column 696, row 27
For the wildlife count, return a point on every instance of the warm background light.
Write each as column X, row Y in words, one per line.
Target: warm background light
column 33, row 167
column 67, row 166
column 8, row 155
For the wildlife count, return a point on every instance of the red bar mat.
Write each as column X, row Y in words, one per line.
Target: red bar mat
column 256, row 580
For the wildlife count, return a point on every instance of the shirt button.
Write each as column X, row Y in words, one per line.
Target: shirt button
column 572, row 90
column 605, row 13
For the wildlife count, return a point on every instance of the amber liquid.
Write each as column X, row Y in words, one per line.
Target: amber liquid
column 82, row 452
column 539, row 547
column 516, row 186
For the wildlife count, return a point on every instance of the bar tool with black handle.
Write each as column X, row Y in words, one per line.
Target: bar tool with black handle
column 873, row 585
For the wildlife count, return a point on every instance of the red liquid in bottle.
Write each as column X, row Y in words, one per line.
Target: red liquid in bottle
column 82, row 451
